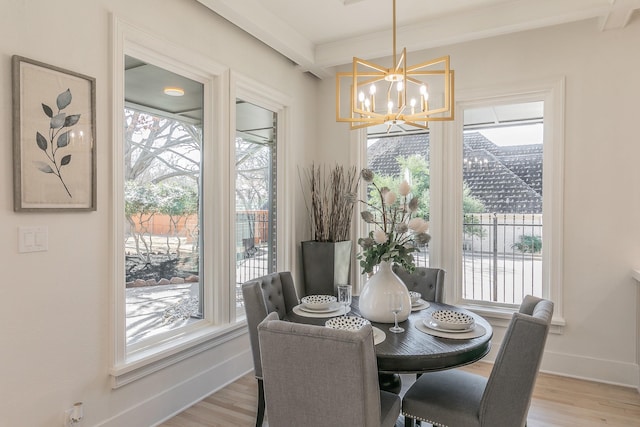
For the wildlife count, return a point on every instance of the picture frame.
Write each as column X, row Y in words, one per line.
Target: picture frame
column 54, row 146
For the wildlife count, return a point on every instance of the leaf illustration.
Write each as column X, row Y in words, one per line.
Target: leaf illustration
column 47, row 110
column 57, row 121
column 43, row 167
column 64, row 99
column 65, row 160
column 41, row 141
column 63, row 139
column 71, row 120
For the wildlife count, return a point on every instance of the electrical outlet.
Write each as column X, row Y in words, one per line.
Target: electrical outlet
column 73, row 416
column 67, row 417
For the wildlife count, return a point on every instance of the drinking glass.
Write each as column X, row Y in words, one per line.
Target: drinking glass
column 344, row 296
column 395, row 305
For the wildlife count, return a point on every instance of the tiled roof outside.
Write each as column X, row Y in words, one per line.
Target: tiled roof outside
column 384, row 152
column 506, row 179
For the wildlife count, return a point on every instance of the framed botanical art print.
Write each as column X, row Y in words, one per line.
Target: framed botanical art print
column 54, row 145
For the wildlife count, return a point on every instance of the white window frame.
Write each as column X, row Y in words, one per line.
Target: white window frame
column 218, row 325
column 445, row 166
column 249, row 90
column 449, row 173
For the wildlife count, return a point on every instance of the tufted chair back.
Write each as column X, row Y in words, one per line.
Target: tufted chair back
column 514, row 372
column 321, row 377
column 274, row 292
column 428, row 281
column 463, row 399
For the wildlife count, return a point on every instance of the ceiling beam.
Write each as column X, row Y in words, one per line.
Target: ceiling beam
column 265, row 26
column 471, row 24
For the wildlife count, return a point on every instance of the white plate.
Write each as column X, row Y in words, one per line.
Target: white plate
column 476, row 332
column 422, row 304
column 433, row 325
column 378, row 335
column 299, row 310
column 333, row 307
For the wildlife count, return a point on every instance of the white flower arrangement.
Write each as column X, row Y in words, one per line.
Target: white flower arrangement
column 396, row 231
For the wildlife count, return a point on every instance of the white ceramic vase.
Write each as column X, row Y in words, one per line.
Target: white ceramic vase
column 374, row 297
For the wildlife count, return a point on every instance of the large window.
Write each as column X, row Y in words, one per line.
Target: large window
column 195, row 200
column 502, row 168
column 256, row 194
column 505, row 157
column 493, row 190
column 162, row 197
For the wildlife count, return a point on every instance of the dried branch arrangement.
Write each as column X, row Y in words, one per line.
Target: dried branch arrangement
column 333, row 195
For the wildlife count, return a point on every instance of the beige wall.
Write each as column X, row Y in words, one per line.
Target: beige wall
column 55, row 315
column 602, row 182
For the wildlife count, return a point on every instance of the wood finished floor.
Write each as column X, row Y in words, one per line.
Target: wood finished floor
column 557, row 402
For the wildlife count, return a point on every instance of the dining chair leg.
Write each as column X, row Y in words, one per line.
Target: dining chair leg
column 408, row 422
column 260, row 415
column 390, row 382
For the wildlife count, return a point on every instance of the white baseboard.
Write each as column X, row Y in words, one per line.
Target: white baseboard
column 586, row 368
column 589, row 368
column 179, row 397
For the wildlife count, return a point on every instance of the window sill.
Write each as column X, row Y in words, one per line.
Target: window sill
column 148, row 361
column 500, row 317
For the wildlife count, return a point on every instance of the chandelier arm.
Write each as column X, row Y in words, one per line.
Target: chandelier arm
column 370, row 65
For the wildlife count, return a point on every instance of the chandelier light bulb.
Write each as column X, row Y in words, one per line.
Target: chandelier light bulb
column 424, row 96
column 372, row 89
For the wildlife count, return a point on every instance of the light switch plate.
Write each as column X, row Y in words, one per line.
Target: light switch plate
column 33, row 239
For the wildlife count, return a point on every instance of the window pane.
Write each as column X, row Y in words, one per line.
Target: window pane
column 162, row 158
column 255, row 218
column 502, row 203
column 396, row 158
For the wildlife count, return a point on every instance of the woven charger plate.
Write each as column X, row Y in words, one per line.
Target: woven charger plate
column 477, row 331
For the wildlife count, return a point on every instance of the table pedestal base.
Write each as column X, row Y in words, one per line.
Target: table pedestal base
column 390, row 382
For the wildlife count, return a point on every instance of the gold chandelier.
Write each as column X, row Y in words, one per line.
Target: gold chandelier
column 404, row 98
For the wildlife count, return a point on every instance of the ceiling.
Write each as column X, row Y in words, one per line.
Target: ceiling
column 144, row 90
column 319, row 34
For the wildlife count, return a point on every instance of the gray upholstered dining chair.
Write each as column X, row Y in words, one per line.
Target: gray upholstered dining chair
column 316, row 376
column 274, row 292
column 428, row 281
column 462, row 399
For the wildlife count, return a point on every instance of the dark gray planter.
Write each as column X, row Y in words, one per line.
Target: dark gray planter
column 325, row 265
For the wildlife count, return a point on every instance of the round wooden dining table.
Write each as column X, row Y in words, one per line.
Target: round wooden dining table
column 415, row 350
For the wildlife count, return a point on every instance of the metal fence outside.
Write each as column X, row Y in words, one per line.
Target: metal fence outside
column 502, row 254
column 502, row 257
column 252, row 248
